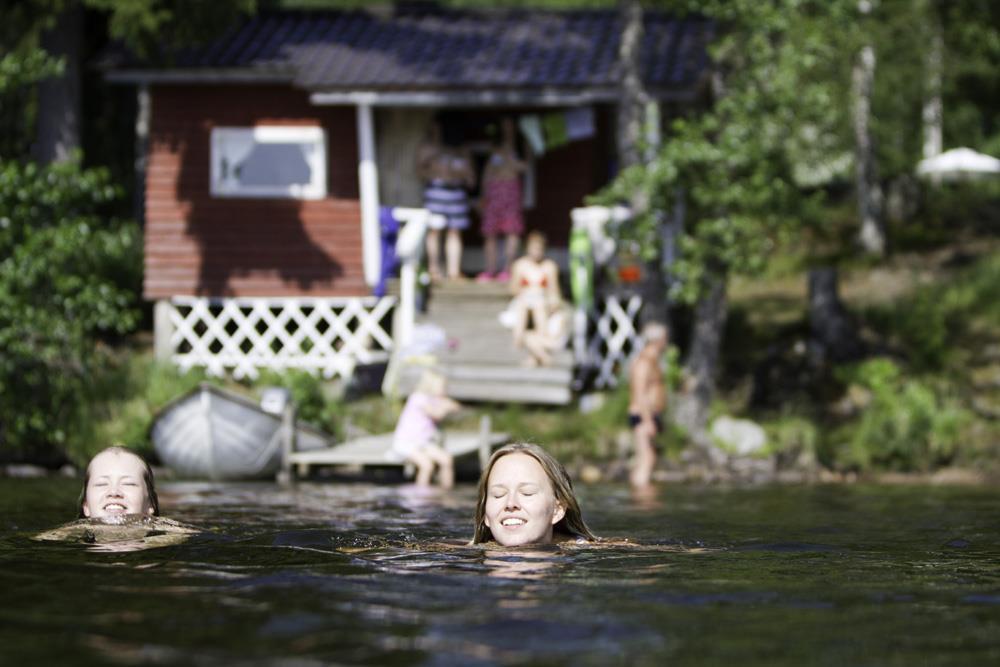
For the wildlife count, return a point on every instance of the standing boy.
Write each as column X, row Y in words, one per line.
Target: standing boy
column 647, row 401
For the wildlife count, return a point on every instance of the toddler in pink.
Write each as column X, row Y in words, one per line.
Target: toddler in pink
column 417, row 436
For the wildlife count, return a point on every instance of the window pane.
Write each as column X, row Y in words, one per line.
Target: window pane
column 269, row 161
column 274, row 164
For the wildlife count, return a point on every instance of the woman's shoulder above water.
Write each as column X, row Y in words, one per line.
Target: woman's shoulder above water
column 117, row 529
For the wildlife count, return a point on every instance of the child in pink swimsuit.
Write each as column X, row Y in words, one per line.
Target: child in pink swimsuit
column 502, row 205
column 416, row 439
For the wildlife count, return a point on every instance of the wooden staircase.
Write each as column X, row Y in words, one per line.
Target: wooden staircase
column 481, row 361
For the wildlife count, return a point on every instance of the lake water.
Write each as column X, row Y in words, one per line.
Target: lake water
column 350, row 574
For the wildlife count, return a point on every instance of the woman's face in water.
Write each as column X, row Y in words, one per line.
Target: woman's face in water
column 521, row 505
column 116, row 486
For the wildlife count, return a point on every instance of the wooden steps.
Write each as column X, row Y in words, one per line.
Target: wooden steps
column 481, row 361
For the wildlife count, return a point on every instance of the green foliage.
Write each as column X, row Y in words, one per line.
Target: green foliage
column 18, row 69
column 126, row 394
column 566, row 432
column 307, row 389
column 931, row 324
column 69, row 279
column 734, row 164
column 792, row 435
column 906, row 425
column 152, row 26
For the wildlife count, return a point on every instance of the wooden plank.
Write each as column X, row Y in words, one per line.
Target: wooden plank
column 506, row 392
column 376, row 449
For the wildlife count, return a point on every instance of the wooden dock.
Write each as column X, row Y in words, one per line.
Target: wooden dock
column 481, row 361
column 376, row 450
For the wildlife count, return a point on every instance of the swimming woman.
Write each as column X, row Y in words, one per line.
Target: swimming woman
column 118, row 508
column 118, row 483
column 526, row 497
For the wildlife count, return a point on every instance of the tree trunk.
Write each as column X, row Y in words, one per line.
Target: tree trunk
column 692, row 403
column 933, row 107
column 832, row 334
column 869, row 192
column 633, row 98
column 58, row 131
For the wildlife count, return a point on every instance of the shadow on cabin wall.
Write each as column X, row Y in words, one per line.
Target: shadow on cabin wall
column 247, row 246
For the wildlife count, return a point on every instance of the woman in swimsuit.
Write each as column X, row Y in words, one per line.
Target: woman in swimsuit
column 534, row 282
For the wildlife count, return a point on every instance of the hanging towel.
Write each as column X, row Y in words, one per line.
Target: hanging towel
column 554, row 126
column 581, row 268
column 531, row 128
column 389, row 226
column 580, row 123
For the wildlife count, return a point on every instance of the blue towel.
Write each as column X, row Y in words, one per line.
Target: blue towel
column 389, row 226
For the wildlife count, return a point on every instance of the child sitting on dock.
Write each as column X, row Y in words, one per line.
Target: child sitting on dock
column 417, row 435
column 526, row 497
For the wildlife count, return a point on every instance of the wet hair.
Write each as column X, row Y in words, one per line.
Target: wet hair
column 147, row 478
column 571, row 525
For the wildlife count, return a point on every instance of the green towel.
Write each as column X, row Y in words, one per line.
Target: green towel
column 581, row 269
column 554, row 126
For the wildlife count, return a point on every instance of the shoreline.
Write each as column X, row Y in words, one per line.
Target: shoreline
column 757, row 473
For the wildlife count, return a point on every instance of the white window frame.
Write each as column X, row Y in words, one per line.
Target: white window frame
column 263, row 134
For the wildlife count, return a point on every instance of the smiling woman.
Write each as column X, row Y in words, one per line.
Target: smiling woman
column 526, row 497
column 118, row 508
column 118, row 483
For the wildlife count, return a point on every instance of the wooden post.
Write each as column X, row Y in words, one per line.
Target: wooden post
column 485, row 426
column 368, row 190
column 163, row 330
column 285, row 475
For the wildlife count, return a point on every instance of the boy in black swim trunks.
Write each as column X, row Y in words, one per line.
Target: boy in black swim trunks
column 648, row 398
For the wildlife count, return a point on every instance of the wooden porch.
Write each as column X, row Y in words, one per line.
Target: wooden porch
column 480, row 359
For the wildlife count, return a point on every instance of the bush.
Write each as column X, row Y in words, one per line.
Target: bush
column 930, row 324
column 792, row 439
column 123, row 400
column 312, row 403
column 68, row 281
column 906, row 425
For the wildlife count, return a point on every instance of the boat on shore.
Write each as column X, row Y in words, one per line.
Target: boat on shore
column 214, row 433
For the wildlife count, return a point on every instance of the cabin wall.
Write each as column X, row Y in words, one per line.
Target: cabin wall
column 197, row 244
column 566, row 175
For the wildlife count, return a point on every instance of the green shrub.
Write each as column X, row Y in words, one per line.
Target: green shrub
column 311, row 400
column 69, row 278
column 930, row 324
column 906, row 425
column 792, row 436
column 125, row 399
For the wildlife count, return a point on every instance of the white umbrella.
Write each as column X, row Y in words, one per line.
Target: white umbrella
column 959, row 162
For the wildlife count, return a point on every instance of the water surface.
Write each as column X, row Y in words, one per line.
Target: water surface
column 356, row 574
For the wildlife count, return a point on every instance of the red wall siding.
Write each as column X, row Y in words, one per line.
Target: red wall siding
column 197, row 244
column 568, row 174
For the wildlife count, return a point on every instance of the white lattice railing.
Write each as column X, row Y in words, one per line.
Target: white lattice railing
column 605, row 338
column 243, row 335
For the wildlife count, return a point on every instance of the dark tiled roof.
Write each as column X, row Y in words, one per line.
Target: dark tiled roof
column 436, row 49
